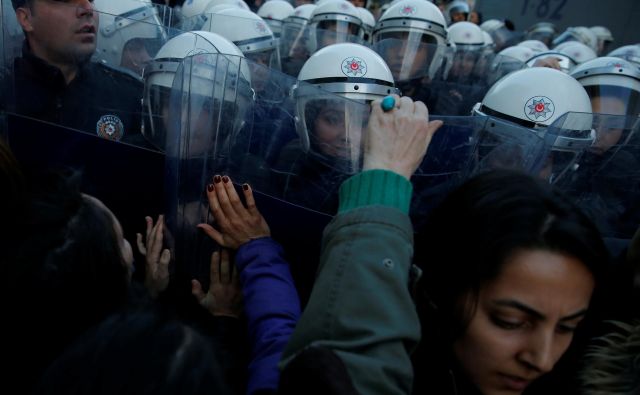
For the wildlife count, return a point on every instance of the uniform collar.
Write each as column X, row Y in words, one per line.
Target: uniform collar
column 46, row 72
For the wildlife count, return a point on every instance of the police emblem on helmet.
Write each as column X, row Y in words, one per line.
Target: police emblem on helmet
column 344, row 7
column 260, row 27
column 539, row 108
column 110, row 127
column 408, row 10
column 354, row 67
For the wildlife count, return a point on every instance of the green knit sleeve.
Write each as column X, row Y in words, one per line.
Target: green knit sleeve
column 376, row 187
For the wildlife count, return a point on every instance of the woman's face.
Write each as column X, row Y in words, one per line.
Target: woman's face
column 524, row 321
column 335, row 133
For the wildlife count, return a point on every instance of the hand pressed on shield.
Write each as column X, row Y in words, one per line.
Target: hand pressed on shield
column 398, row 139
column 156, row 259
column 237, row 224
column 224, row 297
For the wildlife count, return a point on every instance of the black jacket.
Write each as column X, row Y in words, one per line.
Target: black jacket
column 99, row 100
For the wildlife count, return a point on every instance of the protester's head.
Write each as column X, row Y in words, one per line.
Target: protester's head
column 140, row 352
column 510, row 267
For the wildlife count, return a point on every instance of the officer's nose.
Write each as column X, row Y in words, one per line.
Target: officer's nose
column 85, row 8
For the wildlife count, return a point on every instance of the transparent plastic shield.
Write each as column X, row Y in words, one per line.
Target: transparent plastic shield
column 131, row 42
column 11, row 35
column 300, row 159
column 409, row 57
column 290, row 35
column 504, row 38
column 192, row 23
column 605, row 181
column 325, row 33
column 298, row 51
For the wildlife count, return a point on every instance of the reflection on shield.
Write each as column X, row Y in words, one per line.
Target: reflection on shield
column 605, row 180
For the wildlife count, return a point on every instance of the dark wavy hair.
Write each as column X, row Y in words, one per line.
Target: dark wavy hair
column 469, row 237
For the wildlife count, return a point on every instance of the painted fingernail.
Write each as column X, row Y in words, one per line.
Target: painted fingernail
column 245, row 187
column 216, row 179
column 210, row 187
column 225, row 179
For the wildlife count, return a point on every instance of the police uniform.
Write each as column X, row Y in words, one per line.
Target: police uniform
column 99, row 100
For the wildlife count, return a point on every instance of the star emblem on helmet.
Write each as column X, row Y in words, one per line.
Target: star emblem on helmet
column 261, row 27
column 408, row 10
column 354, row 67
column 539, row 108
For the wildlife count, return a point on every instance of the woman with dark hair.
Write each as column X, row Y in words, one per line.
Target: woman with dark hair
column 509, row 270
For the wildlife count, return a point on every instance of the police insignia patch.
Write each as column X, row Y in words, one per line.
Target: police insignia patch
column 354, row 67
column 539, row 108
column 408, row 10
column 261, row 27
column 110, row 127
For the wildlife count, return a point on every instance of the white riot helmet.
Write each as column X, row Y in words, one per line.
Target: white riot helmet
column 274, row 12
column 405, row 31
column 248, row 32
column 159, row 76
column 612, row 78
column 349, row 70
column 214, row 3
column 456, row 11
column 332, row 22
column 192, row 8
column 605, row 38
column 567, row 63
column 577, row 51
column 536, row 45
column 579, row 33
column 368, row 23
column 130, row 33
column 491, row 25
column 523, row 54
column 542, row 31
column 466, row 36
column 534, row 99
column 300, row 15
column 627, row 52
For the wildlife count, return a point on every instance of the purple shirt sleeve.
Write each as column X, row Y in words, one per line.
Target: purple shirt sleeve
column 272, row 308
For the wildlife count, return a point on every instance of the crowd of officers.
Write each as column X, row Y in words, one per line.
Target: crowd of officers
column 483, row 184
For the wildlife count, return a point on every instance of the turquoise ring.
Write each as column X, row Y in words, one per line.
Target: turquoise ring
column 388, row 103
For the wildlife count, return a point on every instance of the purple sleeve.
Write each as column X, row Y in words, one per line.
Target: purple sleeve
column 272, row 308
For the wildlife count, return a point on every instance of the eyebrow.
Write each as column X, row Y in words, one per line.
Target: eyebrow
column 533, row 312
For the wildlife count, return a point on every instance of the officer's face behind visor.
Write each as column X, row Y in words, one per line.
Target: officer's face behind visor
column 336, row 128
column 333, row 32
column 408, row 54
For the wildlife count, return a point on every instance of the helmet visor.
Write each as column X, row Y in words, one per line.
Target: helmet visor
column 410, row 55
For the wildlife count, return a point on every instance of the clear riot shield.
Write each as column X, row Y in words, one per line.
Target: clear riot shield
column 450, row 82
column 218, row 124
column 11, row 34
column 129, row 42
column 104, row 98
column 605, row 180
column 293, row 48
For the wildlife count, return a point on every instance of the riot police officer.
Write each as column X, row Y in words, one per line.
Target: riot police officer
column 55, row 81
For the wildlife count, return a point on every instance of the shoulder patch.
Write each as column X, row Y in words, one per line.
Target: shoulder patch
column 110, row 127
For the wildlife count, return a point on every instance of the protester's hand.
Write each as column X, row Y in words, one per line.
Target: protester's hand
column 550, row 62
column 156, row 259
column 397, row 140
column 237, row 224
column 224, row 297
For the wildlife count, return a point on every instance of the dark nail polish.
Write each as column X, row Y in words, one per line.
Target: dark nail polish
column 216, row 179
column 245, row 187
column 225, row 179
column 210, row 187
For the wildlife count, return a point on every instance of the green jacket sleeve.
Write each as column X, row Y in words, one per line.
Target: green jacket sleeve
column 360, row 306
